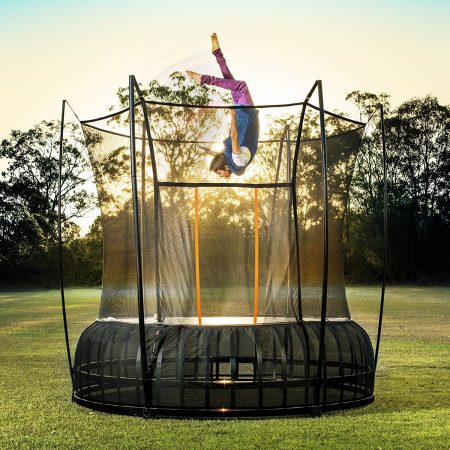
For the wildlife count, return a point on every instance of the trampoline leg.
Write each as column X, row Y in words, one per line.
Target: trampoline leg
column 315, row 411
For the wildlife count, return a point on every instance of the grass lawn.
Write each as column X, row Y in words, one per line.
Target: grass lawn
column 411, row 410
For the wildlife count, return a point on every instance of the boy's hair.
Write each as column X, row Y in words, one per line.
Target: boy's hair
column 218, row 163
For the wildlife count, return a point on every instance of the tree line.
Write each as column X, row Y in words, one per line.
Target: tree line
column 418, row 162
column 418, row 157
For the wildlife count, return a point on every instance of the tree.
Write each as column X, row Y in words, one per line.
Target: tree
column 173, row 128
column 29, row 190
column 418, row 137
column 83, row 257
column 364, row 215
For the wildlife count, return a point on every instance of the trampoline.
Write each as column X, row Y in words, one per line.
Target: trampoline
column 221, row 298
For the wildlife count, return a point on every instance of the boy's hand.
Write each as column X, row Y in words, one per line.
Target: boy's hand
column 208, row 151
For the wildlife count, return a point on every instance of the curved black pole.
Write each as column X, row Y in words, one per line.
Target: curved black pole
column 294, row 198
column 323, row 314
column 137, row 240
column 61, row 272
column 143, row 190
column 156, row 198
column 288, row 178
column 385, row 212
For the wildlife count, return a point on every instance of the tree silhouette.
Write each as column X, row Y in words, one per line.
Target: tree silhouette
column 29, row 188
column 418, row 136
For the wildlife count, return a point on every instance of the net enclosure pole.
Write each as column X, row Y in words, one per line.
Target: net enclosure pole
column 256, row 286
column 60, row 246
column 143, row 189
column 156, row 199
column 323, row 313
column 288, row 178
column 197, row 259
column 385, row 234
column 293, row 184
column 137, row 240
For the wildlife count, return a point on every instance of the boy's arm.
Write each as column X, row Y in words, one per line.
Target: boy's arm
column 209, row 151
column 234, row 134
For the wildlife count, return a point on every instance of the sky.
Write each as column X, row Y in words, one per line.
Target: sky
column 83, row 51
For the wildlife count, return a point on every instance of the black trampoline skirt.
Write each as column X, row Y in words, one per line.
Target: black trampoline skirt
column 239, row 370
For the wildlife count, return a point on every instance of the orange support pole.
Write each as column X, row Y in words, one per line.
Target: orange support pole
column 197, row 261
column 255, row 295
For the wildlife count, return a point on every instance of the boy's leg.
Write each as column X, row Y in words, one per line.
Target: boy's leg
column 239, row 90
column 222, row 64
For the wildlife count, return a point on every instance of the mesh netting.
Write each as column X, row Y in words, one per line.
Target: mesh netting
column 242, row 261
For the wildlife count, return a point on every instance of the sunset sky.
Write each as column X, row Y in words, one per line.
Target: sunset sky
column 83, row 51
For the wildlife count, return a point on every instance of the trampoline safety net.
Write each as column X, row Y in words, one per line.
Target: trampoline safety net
column 218, row 251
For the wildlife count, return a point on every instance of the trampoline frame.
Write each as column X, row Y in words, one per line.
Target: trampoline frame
column 147, row 410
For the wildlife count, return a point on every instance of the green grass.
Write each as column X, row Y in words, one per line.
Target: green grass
column 411, row 409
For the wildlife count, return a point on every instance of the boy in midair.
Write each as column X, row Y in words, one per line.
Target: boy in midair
column 241, row 146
